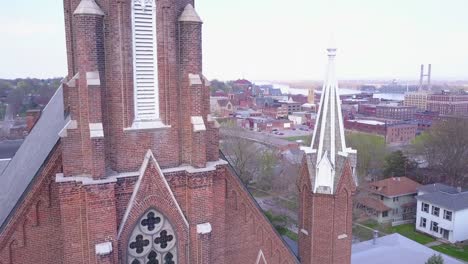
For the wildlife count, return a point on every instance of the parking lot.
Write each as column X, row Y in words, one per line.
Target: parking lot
column 298, row 131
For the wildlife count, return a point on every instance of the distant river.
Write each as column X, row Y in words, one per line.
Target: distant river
column 286, row 89
column 390, row 96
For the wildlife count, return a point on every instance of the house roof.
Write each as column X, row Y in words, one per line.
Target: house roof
column 436, row 187
column 396, row 186
column 373, row 203
column 394, row 249
column 8, row 148
column 29, row 158
column 455, row 201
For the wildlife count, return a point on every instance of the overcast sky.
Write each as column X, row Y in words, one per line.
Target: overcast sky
column 275, row 39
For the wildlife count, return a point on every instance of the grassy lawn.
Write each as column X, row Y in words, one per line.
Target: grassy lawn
column 362, row 233
column 382, row 228
column 459, row 253
column 409, row 232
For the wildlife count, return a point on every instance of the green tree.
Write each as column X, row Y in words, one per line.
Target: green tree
column 435, row 259
column 371, row 150
column 268, row 163
column 397, row 164
column 219, row 85
column 277, row 220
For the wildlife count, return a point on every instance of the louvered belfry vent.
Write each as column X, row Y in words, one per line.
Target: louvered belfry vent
column 145, row 66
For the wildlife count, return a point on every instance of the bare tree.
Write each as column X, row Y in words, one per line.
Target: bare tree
column 242, row 153
column 445, row 148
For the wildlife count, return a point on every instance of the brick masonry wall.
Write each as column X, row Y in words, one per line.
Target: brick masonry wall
column 248, row 230
column 325, row 218
column 33, row 233
column 126, row 149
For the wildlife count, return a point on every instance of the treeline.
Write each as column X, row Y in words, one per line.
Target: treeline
column 19, row 95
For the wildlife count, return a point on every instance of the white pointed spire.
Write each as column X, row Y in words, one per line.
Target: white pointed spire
column 328, row 141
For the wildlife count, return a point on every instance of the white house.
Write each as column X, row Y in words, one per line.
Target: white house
column 442, row 212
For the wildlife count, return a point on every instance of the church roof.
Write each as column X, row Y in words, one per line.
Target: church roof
column 21, row 170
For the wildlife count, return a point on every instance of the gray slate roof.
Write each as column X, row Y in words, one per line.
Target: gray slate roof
column 449, row 200
column 394, row 249
column 430, row 188
column 20, row 172
column 3, row 165
column 8, row 148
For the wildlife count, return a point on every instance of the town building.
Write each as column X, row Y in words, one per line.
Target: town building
column 265, row 124
column 390, row 200
column 401, row 133
column 417, row 99
column 366, row 126
column 276, row 111
column 426, row 119
column 395, row 132
column 442, row 212
column 221, row 106
column 398, row 112
column 291, row 105
column 300, row 118
column 448, row 104
column 367, row 109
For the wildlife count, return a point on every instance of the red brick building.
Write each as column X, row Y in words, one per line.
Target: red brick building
column 402, row 133
column 448, row 104
column 399, row 112
column 123, row 164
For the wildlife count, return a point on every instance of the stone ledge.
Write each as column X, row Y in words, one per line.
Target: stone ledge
column 146, row 125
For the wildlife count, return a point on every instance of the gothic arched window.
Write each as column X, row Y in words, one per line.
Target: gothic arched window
column 152, row 241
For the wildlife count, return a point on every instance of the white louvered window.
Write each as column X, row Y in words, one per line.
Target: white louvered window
column 145, row 66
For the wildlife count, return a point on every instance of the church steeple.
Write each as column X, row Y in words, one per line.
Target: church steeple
column 328, row 141
column 327, row 183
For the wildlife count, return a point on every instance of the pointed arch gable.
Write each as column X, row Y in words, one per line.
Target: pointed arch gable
column 152, row 192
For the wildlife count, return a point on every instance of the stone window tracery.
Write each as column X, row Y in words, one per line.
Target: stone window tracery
column 152, row 241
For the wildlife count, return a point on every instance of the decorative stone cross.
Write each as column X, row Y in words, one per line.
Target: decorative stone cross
column 163, row 239
column 150, row 221
column 139, row 244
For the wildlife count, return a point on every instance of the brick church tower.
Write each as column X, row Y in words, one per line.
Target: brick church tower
column 327, row 183
column 123, row 165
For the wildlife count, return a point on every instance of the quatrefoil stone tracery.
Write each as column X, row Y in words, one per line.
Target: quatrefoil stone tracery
column 152, row 241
